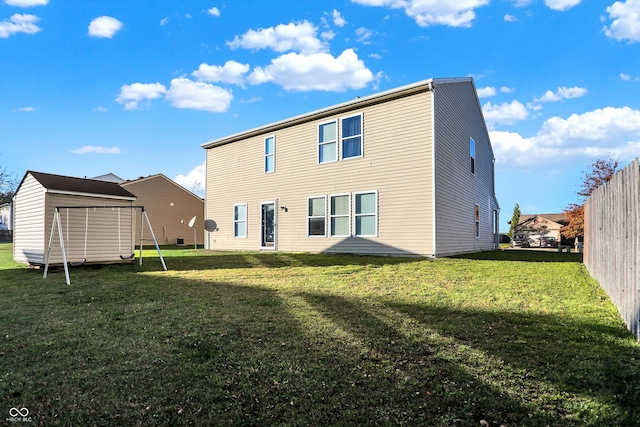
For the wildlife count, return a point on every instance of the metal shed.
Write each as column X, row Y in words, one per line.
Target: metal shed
column 90, row 235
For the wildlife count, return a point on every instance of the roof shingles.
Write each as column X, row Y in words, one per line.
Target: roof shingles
column 80, row 185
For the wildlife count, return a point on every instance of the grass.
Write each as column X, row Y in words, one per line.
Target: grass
column 507, row 338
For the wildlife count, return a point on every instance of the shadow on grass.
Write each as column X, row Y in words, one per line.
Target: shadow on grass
column 508, row 368
column 177, row 351
column 527, row 255
column 206, row 260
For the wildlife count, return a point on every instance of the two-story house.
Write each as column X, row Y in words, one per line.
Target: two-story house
column 409, row 171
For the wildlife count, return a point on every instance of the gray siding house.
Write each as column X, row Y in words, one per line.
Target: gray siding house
column 406, row 172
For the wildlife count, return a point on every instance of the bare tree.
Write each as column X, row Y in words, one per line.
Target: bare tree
column 602, row 170
column 8, row 183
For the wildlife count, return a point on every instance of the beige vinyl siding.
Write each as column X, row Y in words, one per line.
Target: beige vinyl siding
column 104, row 242
column 396, row 163
column 167, row 205
column 29, row 231
column 458, row 117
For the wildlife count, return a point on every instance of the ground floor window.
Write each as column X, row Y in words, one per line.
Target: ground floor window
column 340, row 215
column 240, row 220
column 345, row 215
column 317, row 216
column 366, row 214
column 477, row 221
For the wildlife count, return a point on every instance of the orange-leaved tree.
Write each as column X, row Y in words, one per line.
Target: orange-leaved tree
column 602, row 170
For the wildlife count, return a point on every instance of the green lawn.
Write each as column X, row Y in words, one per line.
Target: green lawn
column 511, row 338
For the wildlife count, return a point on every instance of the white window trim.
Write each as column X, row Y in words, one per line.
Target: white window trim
column 319, row 144
column 355, row 215
column 325, row 216
column 330, row 216
column 341, row 138
column 246, row 220
column 267, row 155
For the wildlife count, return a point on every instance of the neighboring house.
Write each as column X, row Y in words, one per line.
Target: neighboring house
column 6, row 222
column 109, row 177
column 538, row 225
column 408, row 171
column 94, row 235
column 6, row 216
column 170, row 208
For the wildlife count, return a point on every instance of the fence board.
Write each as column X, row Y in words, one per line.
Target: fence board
column 612, row 241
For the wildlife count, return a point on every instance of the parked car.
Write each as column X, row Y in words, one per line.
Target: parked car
column 548, row 242
column 520, row 240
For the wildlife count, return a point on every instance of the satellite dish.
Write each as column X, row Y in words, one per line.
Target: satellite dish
column 192, row 222
column 210, row 225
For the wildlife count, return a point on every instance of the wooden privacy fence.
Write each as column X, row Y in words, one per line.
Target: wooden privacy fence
column 612, row 241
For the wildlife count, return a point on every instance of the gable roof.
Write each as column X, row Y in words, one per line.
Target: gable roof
column 376, row 98
column 558, row 218
column 109, row 177
column 159, row 176
column 72, row 185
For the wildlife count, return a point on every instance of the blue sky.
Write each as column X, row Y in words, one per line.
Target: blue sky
column 134, row 88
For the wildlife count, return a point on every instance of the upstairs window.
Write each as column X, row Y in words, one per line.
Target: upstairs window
column 270, row 154
column 472, row 153
column 328, row 142
column 351, row 140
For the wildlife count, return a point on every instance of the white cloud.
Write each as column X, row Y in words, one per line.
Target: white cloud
column 27, row 109
column 625, row 77
column 250, row 100
column 626, row 20
column 100, row 109
column 19, row 23
column 165, row 21
column 231, row 72
column 284, row 37
column 96, row 149
column 131, row 95
column 485, row 92
column 592, row 134
column 104, row 27
column 194, row 180
column 26, row 3
column 562, row 93
column 505, row 113
column 364, row 35
column 214, row 11
column 338, row 20
column 185, row 93
column 510, row 18
column 521, row 3
column 459, row 13
column 319, row 71
column 327, row 35
column 505, row 89
column 561, row 4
